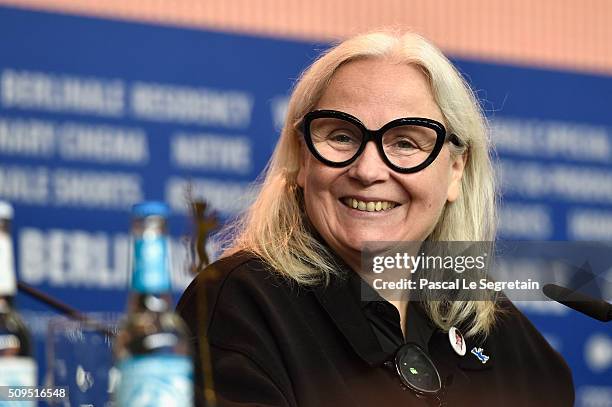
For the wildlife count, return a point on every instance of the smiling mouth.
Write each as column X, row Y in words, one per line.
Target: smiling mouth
column 369, row 206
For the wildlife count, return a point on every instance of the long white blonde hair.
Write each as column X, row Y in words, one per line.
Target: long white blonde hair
column 275, row 226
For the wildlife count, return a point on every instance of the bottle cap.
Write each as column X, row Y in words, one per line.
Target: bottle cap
column 6, row 210
column 150, row 208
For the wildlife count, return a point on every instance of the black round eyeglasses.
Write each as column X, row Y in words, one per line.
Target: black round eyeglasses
column 406, row 145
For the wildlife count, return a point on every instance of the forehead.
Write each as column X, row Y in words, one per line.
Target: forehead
column 380, row 90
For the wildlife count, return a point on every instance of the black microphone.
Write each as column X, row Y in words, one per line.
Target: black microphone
column 592, row 307
column 65, row 309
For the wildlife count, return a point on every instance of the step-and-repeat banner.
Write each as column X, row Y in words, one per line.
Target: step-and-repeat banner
column 96, row 115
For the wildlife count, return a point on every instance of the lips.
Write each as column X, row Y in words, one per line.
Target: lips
column 367, row 205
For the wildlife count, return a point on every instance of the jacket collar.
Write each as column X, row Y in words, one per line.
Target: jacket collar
column 346, row 313
column 342, row 300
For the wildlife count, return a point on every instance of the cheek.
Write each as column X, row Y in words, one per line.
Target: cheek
column 314, row 177
column 431, row 200
column 316, row 182
column 428, row 187
column 307, row 179
column 440, row 180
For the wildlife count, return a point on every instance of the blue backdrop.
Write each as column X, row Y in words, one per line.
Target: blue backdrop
column 96, row 115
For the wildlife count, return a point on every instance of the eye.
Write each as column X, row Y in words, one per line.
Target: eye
column 405, row 144
column 342, row 138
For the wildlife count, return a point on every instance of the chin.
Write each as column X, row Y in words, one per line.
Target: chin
column 359, row 240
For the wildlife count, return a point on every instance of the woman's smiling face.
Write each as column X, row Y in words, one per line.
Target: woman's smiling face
column 377, row 91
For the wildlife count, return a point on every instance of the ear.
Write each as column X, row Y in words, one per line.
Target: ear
column 457, row 167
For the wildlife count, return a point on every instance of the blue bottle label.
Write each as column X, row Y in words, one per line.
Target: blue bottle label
column 150, row 272
column 151, row 381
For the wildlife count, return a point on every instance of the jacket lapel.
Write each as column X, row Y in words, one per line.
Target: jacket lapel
column 346, row 313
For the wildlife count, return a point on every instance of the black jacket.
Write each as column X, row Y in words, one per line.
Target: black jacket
column 274, row 343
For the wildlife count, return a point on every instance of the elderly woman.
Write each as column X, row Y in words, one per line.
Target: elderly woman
column 383, row 141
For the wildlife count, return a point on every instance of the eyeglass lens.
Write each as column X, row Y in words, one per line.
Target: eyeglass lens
column 417, row 370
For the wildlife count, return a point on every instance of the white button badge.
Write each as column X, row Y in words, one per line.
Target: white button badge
column 457, row 341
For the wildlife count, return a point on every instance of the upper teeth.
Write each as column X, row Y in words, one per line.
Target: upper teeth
column 372, row 206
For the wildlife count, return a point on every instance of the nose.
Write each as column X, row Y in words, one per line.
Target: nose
column 369, row 168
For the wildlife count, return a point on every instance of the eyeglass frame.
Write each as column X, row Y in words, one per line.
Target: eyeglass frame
column 376, row 136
